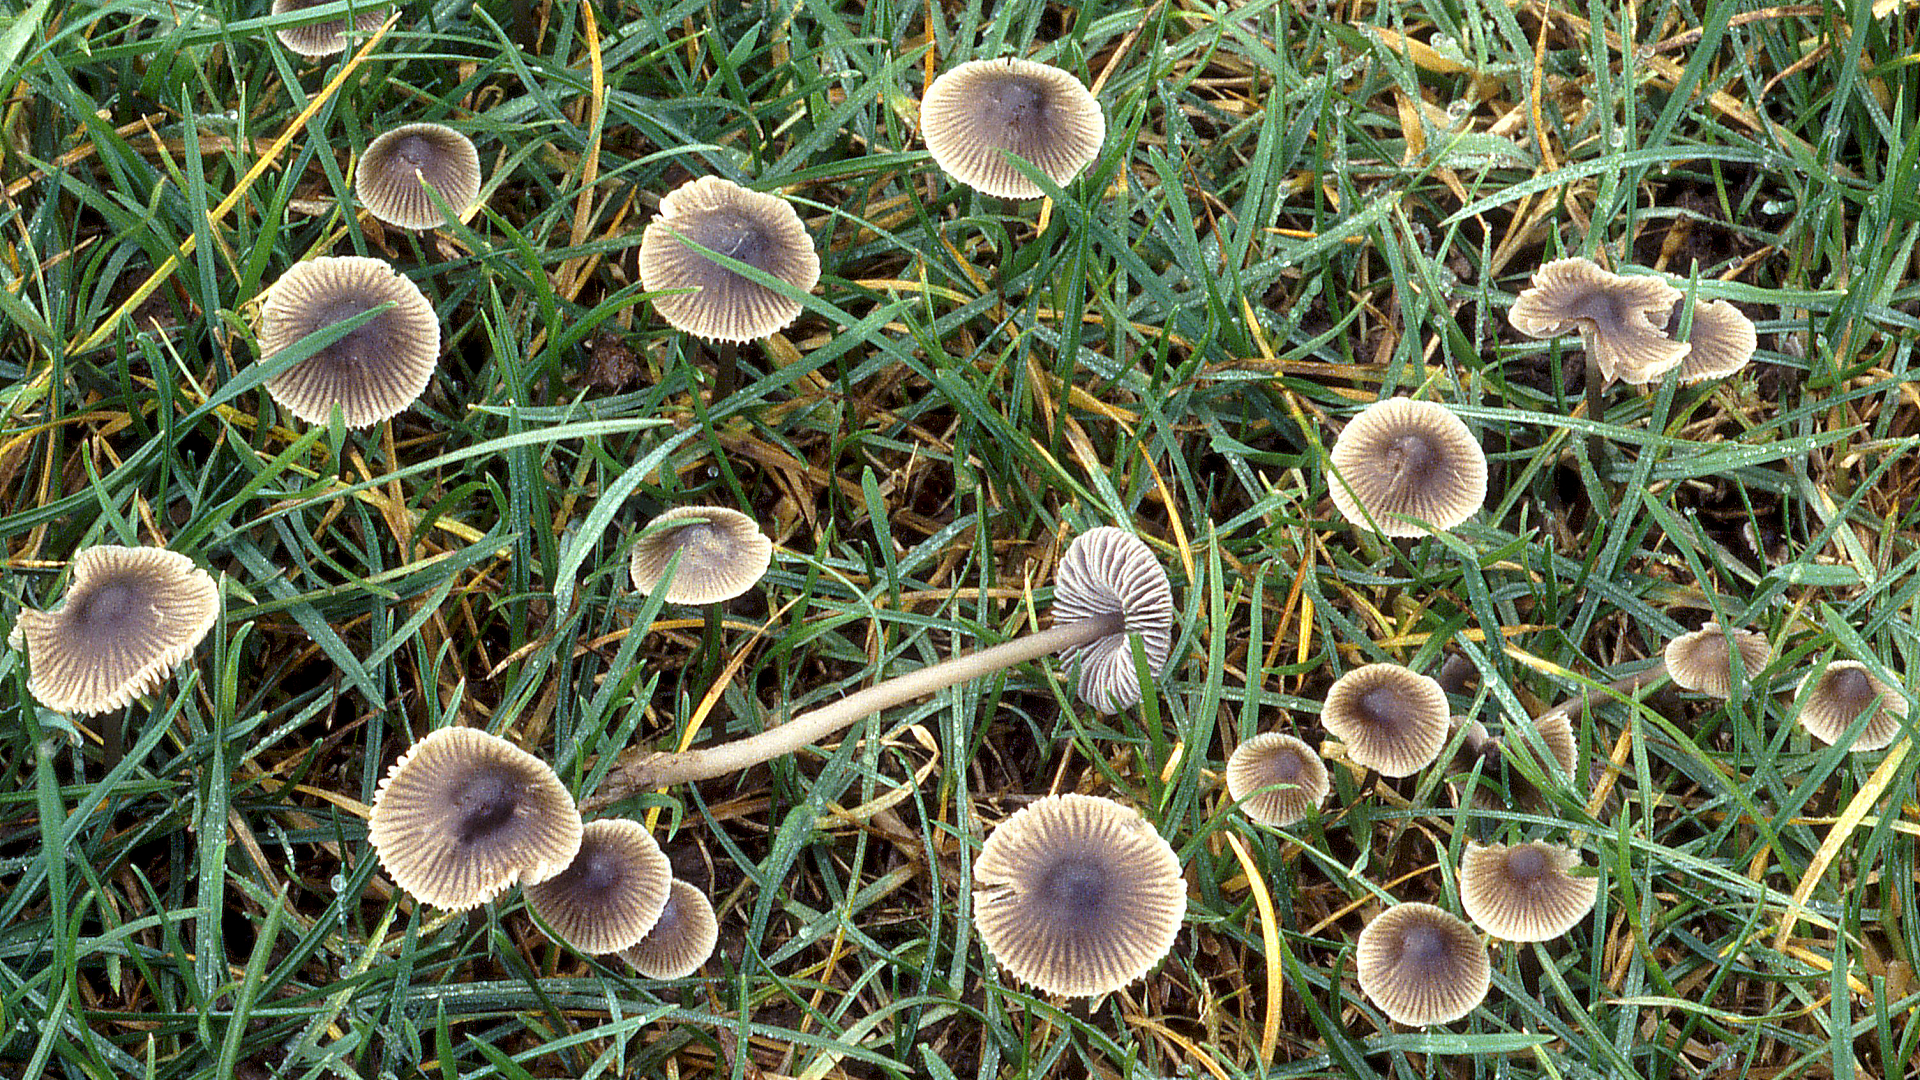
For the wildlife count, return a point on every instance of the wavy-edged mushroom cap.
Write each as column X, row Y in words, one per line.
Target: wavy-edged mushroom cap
column 1831, row 699
column 316, row 40
column 1700, row 662
column 1276, row 778
column 1402, row 458
column 977, row 110
column 1615, row 316
column 374, row 371
column 388, row 178
column 1422, row 965
column 722, row 553
column 130, row 616
column 1393, row 719
column 681, row 939
column 1722, row 340
column 1108, row 571
column 465, row 814
column 613, row 891
column 1524, row 892
column 763, row 231
column 1077, row 895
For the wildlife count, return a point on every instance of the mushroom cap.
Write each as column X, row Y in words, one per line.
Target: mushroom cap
column 1524, row 892
column 1276, row 778
column 130, row 616
column 763, row 231
column 377, row 369
column 1402, row 458
column 387, row 180
column 1393, row 719
column 978, row 109
column 316, row 40
column 613, row 891
column 681, row 939
column 465, row 814
column 1830, row 699
column 1077, row 895
column 1108, row 571
column 1615, row 316
column 1722, row 340
column 722, row 553
column 1699, row 661
column 1421, row 965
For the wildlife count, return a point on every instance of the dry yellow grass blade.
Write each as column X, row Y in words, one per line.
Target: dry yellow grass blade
column 1863, row 801
column 1270, row 944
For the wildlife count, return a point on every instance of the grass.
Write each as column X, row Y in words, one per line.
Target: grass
column 1301, row 207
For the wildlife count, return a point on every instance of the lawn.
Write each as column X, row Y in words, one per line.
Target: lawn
column 1300, row 207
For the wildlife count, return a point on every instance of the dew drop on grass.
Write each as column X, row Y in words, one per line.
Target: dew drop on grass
column 338, row 883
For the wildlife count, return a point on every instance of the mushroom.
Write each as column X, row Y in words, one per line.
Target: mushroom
column 315, row 40
column 372, row 372
column 1077, row 895
column 722, row 553
column 1701, row 661
column 763, row 231
column 131, row 615
column 1108, row 590
column 1421, row 965
column 1831, row 699
column 978, row 112
column 1721, row 340
column 681, row 939
column 1392, row 719
column 389, row 178
column 464, row 814
column 1401, row 458
column 611, row 894
column 1276, row 778
column 1524, row 892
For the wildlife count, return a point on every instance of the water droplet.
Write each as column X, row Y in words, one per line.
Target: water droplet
column 1342, row 107
column 338, row 883
column 1459, row 109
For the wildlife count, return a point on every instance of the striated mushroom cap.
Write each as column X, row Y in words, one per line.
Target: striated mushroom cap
column 1524, row 892
column 131, row 615
column 1615, row 316
column 681, row 940
column 1721, row 341
column 1393, row 719
column 464, row 814
column 387, row 181
column 1421, row 965
column 1109, row 571
column 977, row 112
column 1401, row 458
column 378, row 368
column 1276, row 778
column 611, row 894
column 1831, row 699
column 316, row 40
column 1700, row 661
column 1077, row 895
column 763, row 231
column 722, row 554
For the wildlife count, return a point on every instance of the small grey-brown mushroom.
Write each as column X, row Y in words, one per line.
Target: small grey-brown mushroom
column 1077, row 895
column 1831, row 699
column 681, row 940
column 613, row 891
column 131, row 615
column 1700, row 661
column 464, row 814
column 722, row 554
column 1615, row 316
column 1524, row 892
column 977, row 112
column 1422, row 965
column 1276, row 778
column 390, row 174
column 1721, row 341
column 373, row 372
column 761, row 230
column 1109, row 571
column 1392, row 719
column 1401, row 458
column 315, row 40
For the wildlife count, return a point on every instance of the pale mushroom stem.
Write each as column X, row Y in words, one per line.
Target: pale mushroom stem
column 813, row 725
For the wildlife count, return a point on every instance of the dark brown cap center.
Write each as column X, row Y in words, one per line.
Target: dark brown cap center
column 414, row 150
column 112, row 605
column 735, row 235
column 1382, row 707
column 486, row 801
column 1526, row 865
column 1285, row 768
column 1423, row 948
column 1411, row 459
column 1015, row 103
column 1851, row 688
column 1075, row 889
